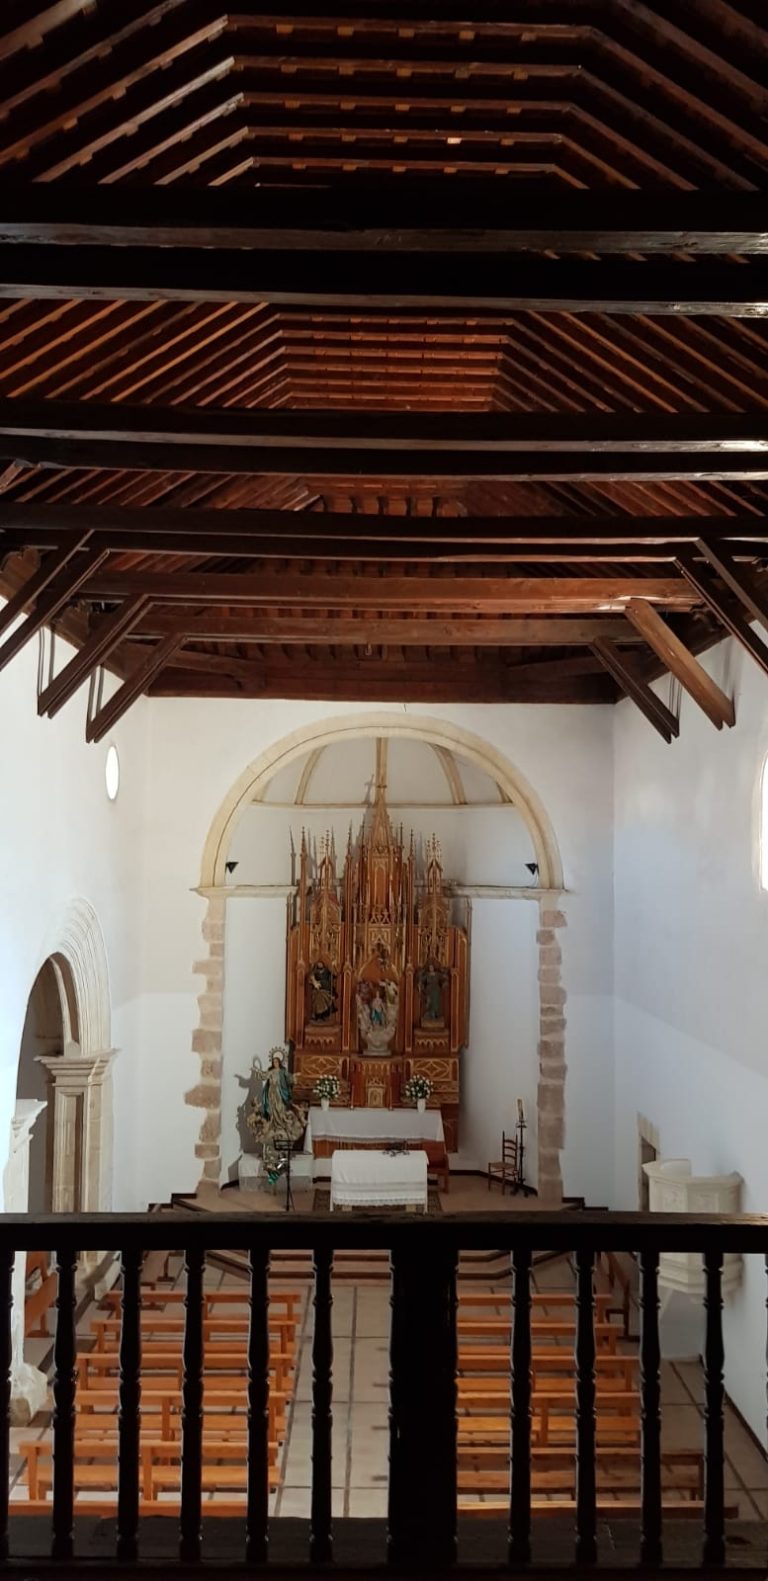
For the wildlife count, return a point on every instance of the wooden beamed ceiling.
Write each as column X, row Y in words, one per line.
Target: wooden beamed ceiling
column 383, row 351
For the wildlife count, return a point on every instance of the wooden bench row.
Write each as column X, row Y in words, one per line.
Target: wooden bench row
column 288, row 1301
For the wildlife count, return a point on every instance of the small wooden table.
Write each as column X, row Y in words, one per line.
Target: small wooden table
column 365, row 1178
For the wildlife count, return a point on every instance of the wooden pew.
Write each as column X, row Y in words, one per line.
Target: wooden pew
column 543, row 1331
column 548, row 1368
column 99, row 1450
column 167, row 1360
column 288, row 1301
column 158, row 1399
column 38, row 1300
column 106, row 1330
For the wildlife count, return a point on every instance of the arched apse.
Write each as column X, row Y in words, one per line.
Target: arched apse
column 437, row 733
column 451, row 744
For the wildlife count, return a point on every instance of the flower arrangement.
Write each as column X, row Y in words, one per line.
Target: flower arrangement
column 327, row 1087
column 417, row 1087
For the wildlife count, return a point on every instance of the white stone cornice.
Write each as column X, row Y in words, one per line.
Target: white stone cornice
column 460, row 891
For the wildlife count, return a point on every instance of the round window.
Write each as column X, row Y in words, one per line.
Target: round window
column 112, row 773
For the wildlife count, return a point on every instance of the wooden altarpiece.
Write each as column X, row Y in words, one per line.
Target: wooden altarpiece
column 378, row 972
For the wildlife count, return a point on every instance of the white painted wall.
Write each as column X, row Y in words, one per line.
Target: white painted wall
column 691, row 1008
column 62, row 839
column 138, row 861
column 197, row 751
column 500, row 1064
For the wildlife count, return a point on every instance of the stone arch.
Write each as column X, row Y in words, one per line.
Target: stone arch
column 75, row 937
column 79, row 1086
column 438, row 732
column 207, row 1038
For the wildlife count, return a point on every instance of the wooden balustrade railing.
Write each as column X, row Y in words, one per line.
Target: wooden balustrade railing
column 422, row 1519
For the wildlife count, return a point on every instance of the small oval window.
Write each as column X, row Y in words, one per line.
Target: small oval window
column 112, row 773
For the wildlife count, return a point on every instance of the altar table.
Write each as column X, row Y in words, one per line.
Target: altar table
column 375, row 1126
column 366, row 1178
column 331, row 1130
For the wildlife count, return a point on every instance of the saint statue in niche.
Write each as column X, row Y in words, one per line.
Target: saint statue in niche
column 275, row 1120
column 322, row 993
column 430, row 981
column 377, row 1006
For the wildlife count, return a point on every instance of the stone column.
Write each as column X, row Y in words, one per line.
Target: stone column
column 207, row 1040
column 29, row 1386
column 80, row 1100
column 551, row 1093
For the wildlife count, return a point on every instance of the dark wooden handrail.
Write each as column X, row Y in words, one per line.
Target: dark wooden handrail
column 556, row 1231
column 423, row 1443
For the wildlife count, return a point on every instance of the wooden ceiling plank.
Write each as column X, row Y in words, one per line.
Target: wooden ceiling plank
column 635, row 687
column 57, row 594
column 131, row 689
column 679, row 659
column 95, row 652
column 396, row 281
column 50, row 568
column 728, row 614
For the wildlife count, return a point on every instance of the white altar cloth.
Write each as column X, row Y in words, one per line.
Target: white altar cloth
column 365, row 1178
column 373, row 1125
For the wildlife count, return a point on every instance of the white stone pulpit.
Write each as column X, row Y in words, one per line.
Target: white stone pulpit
column 673, row 1188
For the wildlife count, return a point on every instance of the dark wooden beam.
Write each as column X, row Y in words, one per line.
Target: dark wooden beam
column 633, row 684
column 722, row 607
column 290, row 443
column 27, row 524
column 473, row 283
column 435, row 552
column 95, row 652
column 740, row 581
column 409, row 632
column 70, row 581
column 419, row 591
column 385, row 431
column 132, row 688
column 387, row 214
column 679, row 659
column 354, row 683
column 49, row 568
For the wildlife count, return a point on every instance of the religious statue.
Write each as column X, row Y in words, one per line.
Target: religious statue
column 322, row 993
column 430, row 981
column 274, row 1118
column 377, row 1006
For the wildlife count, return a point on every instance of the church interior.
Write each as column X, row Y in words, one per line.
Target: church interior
column 384, row 784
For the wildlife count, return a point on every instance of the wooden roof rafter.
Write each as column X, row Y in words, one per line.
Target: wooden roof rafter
column 559, row 408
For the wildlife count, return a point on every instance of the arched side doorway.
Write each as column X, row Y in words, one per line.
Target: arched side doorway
column 65, row 1060
column 50, row 1027
column 207, row 1037
column 60, row 1154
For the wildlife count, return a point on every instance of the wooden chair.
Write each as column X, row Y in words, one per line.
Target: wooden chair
column 504, row 1169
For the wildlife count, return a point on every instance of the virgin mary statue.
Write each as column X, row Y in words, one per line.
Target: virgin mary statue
column 274, row 1117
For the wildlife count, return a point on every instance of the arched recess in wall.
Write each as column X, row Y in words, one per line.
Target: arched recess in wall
column 437, row 733
column 514, row 788
column 71, row 993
